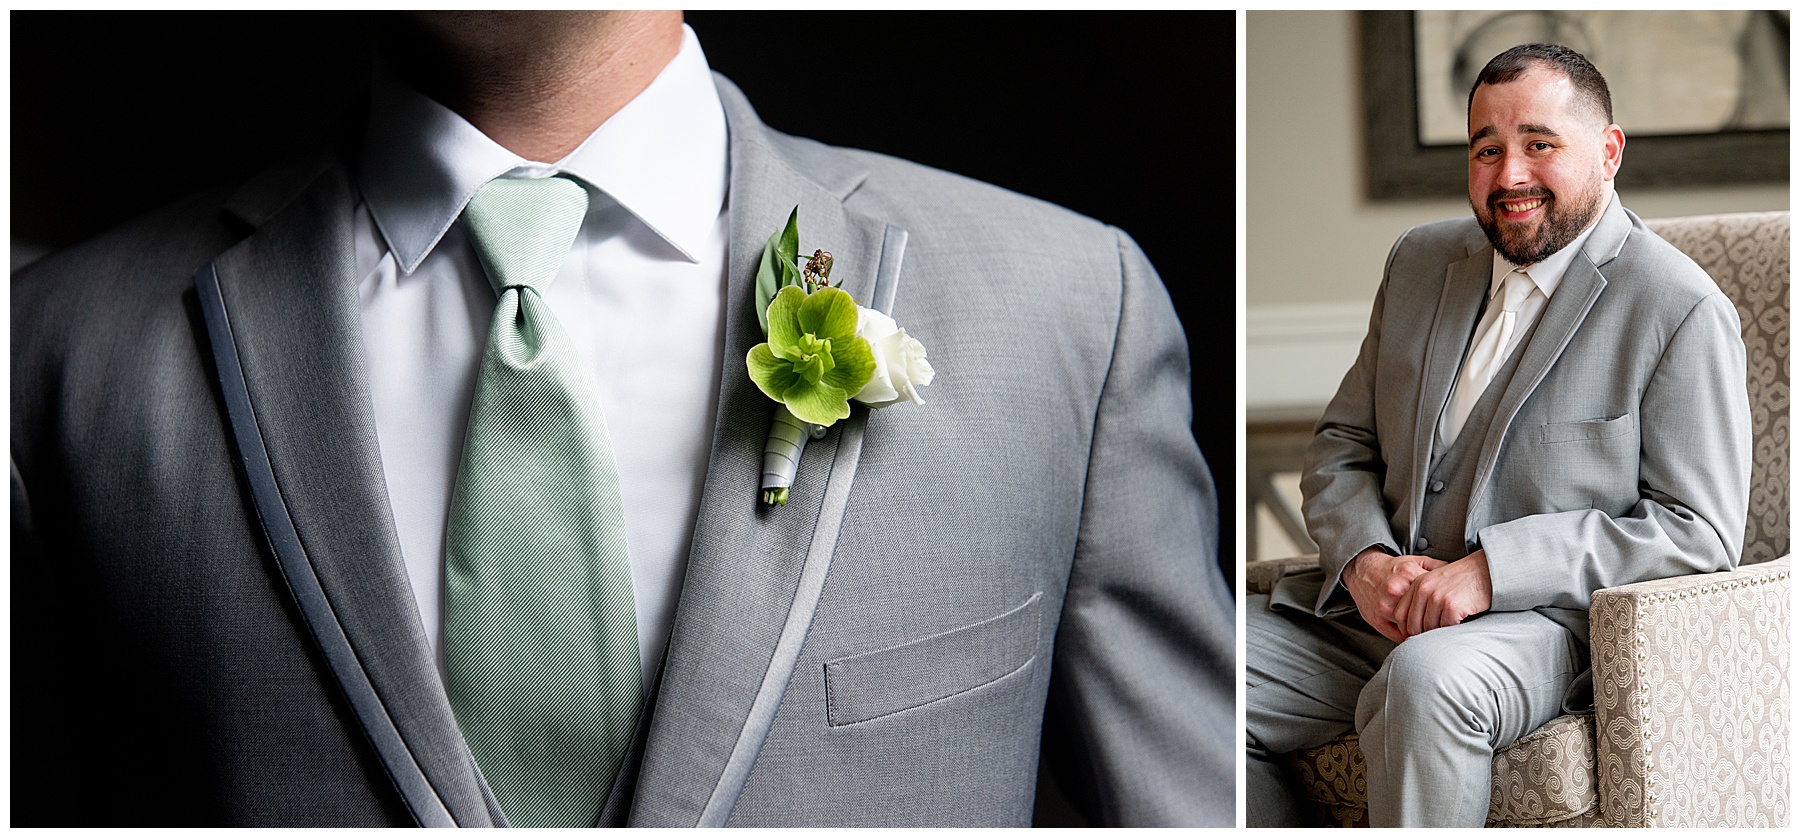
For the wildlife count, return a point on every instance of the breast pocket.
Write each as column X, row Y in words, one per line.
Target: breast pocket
column 871, row 685
column 1587, row 429
column 1587, row 464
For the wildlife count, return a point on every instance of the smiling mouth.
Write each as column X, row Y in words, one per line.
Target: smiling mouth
column 1520, row 207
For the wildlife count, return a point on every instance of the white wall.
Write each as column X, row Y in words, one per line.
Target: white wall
column 1316, row 243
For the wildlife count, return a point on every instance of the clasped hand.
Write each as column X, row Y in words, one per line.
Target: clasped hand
column 1404, row 596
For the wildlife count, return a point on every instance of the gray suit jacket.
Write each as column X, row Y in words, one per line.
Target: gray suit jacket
column 212, row 623
column 1621, row 447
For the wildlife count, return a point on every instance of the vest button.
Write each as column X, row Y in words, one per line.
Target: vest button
column 1437, row 486
column 1421, row 544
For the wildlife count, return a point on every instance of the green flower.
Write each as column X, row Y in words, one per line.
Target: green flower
column 814, row 361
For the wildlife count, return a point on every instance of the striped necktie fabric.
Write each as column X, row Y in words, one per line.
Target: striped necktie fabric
column 540, row 626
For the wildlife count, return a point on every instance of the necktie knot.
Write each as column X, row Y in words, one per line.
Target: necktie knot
column 1517, row 287
column 522, row 229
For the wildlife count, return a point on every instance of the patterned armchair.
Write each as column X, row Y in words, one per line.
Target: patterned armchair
column 1690, row 724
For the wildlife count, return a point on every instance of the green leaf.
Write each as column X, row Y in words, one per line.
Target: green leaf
column 853, row 362
column 788, row 249
column 829, row 313
column 820, row 404
column 774, row 376
column 767, row 282
column 776, row 269
column 784, row 322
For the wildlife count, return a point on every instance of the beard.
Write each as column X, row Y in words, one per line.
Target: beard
column 1531, row 243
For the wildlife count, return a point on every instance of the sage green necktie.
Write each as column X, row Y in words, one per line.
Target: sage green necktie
column 540, row 627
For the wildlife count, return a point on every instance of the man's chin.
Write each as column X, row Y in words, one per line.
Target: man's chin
column 1519, row 243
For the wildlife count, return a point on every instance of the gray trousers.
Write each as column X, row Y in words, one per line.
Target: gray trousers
column 1430, row 712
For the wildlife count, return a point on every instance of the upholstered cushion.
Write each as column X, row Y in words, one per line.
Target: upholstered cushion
column 1547, row 778
column 1544, row 779
column 1332, row 776
column 1747, row 254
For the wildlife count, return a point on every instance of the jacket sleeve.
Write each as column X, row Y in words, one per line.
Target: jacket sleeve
column 1140, row 718
column 1693, row 483
column 1345, row 510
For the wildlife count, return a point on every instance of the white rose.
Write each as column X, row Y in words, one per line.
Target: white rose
column 900, row 364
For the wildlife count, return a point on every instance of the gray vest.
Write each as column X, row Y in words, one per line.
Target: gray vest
column 1445, row 517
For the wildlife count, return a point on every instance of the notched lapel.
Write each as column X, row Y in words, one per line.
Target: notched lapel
column 754, row 573
column 285, row 331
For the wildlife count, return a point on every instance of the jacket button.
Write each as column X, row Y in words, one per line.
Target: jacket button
column 1421, row 544
column 1437, row 486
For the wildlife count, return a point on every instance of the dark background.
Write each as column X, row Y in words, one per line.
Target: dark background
column 1126, row 118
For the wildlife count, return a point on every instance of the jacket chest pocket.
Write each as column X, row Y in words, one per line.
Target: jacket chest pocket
column 871, row 685
column 1587, row 429
column 1589, row 464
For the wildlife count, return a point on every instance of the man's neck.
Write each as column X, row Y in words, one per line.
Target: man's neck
column 537, row 83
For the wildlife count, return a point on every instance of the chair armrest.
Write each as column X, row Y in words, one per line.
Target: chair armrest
column 1691, row 698
column 1260, row 577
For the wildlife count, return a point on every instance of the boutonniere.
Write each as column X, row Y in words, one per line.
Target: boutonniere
column 822, row 351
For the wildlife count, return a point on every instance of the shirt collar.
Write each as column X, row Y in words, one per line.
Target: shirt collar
column 1547, row 274
column 662, row 157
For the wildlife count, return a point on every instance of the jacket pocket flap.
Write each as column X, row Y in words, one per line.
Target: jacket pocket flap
column 1587, row 429
column 868, row 686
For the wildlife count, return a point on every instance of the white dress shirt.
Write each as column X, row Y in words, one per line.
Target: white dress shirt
column 640, row 293
column 1546, row 274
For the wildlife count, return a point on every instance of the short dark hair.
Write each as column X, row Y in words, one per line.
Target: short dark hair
column 1590, row 86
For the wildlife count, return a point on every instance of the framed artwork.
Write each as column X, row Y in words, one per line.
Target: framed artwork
column 1701, row 95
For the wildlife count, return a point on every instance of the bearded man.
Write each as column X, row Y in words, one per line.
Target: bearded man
column 1550, row 400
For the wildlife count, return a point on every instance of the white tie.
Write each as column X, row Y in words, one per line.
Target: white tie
column 1488, row 353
